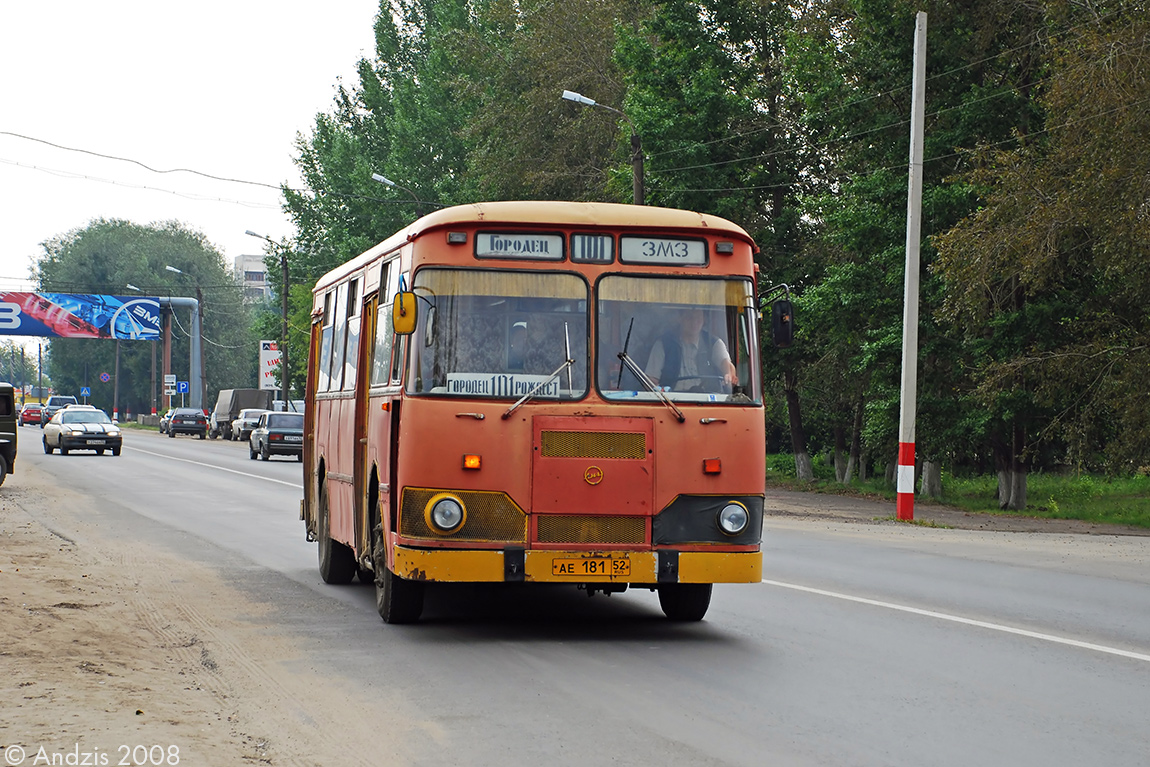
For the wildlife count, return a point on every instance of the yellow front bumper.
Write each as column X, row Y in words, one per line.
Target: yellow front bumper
column 460, row 565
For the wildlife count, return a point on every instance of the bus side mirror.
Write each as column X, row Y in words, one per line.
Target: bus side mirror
column 404, row 313
column 782, row 323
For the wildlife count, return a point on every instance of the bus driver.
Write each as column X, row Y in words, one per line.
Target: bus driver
column 691, row 359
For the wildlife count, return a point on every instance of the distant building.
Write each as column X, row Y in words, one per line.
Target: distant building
column 250, row 271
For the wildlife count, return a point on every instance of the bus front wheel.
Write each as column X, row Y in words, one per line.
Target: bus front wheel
column 336, row 562
column 398, row 600
column 685, row 601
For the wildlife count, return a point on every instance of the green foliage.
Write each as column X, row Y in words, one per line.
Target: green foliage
column 105, row 256
column 1050, row 276
column 792, row 121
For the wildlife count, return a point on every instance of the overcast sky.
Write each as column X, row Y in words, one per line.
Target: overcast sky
column 217, row 87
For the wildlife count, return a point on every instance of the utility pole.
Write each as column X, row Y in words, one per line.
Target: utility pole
column 285, row 375
column 904, row 503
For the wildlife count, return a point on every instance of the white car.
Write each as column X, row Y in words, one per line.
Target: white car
column 247, row 420
column 82, row 427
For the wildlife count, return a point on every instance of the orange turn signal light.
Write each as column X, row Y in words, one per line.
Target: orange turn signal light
column 471, row 461
column 712, row 466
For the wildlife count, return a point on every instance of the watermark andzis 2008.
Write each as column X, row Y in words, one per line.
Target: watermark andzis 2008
column 128, row 756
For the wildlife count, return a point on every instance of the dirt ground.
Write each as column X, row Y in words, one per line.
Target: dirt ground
column 103, row 653
column 100, row 657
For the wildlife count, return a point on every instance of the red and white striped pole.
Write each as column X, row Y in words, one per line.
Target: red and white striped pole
column 904, row 505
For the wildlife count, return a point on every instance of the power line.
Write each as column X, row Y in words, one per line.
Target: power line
column 936, row 158
column 278, row 187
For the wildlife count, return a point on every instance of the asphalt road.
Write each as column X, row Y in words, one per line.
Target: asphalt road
column 864, row 645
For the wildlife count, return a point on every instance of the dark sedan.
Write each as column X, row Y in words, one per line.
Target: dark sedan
column 82, row 428
column 188, row 420
column 277, row 434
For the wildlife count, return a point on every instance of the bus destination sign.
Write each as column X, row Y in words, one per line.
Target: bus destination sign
column 499, row 385
column 525, row 245
column 664, row 251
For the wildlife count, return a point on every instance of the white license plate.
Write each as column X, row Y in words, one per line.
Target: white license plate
column 96, row 442
column 291, row 438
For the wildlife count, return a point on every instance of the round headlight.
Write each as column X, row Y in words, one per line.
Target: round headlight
column 446, row 514
column 733, row 518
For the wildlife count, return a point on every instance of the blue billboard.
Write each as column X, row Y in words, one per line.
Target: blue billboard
column 79, row 315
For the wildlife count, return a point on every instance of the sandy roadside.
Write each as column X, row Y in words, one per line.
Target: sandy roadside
column 142, row 657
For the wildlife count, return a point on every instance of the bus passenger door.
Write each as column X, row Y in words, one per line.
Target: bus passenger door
column 362, row 466
column 310, row 501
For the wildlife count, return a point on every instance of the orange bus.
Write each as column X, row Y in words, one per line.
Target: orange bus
column 539, row 392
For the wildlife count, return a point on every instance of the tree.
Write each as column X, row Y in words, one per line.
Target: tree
column 849, row 64
column 104, row 257
column 1056, row 259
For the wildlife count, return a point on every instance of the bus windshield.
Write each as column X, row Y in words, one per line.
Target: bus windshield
column 693, row 339
column 498, row 334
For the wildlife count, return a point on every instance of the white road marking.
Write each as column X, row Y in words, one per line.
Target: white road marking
column 218, row 468
column 966, row 621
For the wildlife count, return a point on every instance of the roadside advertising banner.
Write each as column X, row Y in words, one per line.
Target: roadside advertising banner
column 69, row 315
column 269, row 364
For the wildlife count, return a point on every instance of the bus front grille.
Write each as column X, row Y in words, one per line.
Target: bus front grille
column 490, row 517
column 592, row 444
column 588, row 528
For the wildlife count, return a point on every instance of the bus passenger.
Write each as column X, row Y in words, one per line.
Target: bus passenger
column 690, row 358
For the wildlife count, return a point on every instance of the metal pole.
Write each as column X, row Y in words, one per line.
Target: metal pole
column 167, row 355
column 904, row 504
column 202, row 393
column 116, row 386
column 285, row 375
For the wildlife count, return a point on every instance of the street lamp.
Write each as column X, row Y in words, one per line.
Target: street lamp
column 285, row 375
column 130, row 286
column 636, row 144
column 388, row 182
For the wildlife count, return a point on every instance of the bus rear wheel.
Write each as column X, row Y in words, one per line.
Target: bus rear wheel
column 336, row 562
column 396, row 599
column 685, row 601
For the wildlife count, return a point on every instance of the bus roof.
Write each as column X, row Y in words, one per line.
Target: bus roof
column 543, row 212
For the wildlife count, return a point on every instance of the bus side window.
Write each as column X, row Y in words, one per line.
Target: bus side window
column 353, row 321
column 339, row 337
column 398, row 347
column 381, row 354
column 324, row 383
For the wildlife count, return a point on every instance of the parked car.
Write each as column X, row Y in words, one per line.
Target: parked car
column 228, row 407
column 165, row 419
column 54, row 403
column 277, row 434
column 31, row 413
column 188, row 420
column 242, row 426
column 82, row 428
column 294, row 405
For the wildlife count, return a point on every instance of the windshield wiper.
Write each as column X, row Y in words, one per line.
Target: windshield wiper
column 639, row 373
column 566, row 365
column 570, row 361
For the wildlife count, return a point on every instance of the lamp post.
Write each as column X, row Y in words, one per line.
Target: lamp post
column 637, row 192
column 285, row 375
column 388, row 182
